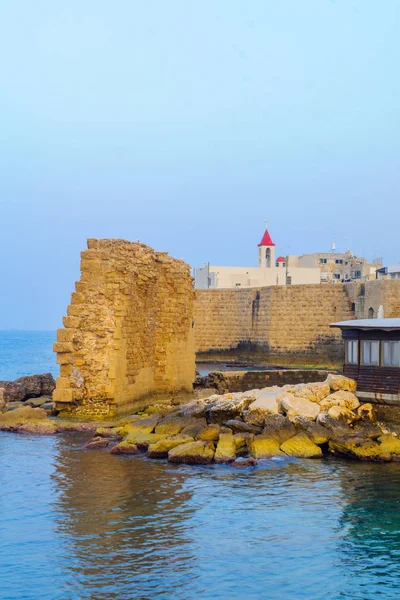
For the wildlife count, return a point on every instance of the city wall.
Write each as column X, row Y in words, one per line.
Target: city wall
column 128, row 333
column 285, row 324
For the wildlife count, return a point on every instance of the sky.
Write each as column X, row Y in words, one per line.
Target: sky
column 185, row 124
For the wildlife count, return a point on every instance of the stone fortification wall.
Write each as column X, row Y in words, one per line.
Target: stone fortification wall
column 284, row 323
column 128, row 333
column 371, row 295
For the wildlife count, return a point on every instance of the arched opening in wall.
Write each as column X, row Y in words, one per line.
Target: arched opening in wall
column 353, row 307
column 371, row 313
column 268, row 257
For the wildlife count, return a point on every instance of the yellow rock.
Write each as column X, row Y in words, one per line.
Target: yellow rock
column 210, row 433
column 315, row 392
column 358, row 448
column 340, row 398
column 389, row 443
column 343, row 413
column 340, row 382
column 226, row 449
column 193, row 453
column 262, row 446
column 301, row 446
column 172, row 425
column 366, row 412
column 161, row 448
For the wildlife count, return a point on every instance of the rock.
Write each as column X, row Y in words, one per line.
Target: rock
column 316, row 432
column 340, row 398
column 243, row 463
column 37, row 385
column 173, row 424
column 241, row 427
column 111, row 432
column 389, row 444
column 29, row 420
column 14, row 405
column 229, row 406
column 301, row 446
column 193, row 453
column 358, row 447
column 366, row 412
column 266, row 404
column 49, row 408
column 340, row 382
column 161, row 448
column 210, row 433
column 262, row 446
column 343, row 414
column 125, row 447
column 314, row 392
column 3, row 404
column 12, row 391
column 241, row 441
column 337, row 427
column 143, row 440
column 279, row 428
column 195, row 427
column 299, row 407
column 37, row 402
column 226, row 449
column 97, row 442
column 162, row 409
column 143, row 425
column 368, row 429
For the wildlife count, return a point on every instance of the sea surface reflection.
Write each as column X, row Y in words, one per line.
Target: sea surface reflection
column 86, row 524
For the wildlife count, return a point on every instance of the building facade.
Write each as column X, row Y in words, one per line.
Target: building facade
column 390, row 272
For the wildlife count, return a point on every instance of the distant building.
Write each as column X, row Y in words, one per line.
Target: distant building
column 390, row 272
column 318, row 267
column 270, row 271
column 336, row 267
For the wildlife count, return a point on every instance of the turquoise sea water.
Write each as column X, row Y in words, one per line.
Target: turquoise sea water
column 26, row 353
column 78, row 524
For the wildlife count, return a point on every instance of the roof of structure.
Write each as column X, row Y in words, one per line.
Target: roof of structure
column 384, row 324
column 266, row 240
column 281, row 259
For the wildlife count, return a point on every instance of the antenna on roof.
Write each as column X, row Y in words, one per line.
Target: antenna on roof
column 333, row 247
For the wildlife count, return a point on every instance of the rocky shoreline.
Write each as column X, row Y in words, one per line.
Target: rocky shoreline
column 304, row 420
column 31, row 390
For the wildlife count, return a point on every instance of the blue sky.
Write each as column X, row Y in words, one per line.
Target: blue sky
column 185, row 124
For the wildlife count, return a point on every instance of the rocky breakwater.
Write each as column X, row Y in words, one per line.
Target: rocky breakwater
column 33, row 391
column 304, row 420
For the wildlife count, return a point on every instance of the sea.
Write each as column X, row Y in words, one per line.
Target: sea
column 80, row 524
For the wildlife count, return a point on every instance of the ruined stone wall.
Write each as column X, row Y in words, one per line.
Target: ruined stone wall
column 373, row 294
column 128, row 333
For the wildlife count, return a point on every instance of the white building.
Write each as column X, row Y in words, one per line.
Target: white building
column 282, row 271
column 390, row 272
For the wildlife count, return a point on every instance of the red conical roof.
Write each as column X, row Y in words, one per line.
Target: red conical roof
column 281, row 259
column 266, row 240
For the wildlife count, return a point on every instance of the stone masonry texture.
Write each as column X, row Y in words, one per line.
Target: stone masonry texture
column 289, row 324
column 128, row 333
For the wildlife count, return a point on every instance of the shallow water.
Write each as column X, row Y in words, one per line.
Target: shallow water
column 86, row 524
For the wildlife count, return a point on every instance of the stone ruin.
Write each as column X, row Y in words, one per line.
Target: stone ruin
column 128, row 334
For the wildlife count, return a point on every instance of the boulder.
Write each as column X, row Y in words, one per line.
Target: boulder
column 37, row 402
column 316, row 432
column 143, row 425
column 143, row 440
column 366, row 412
column 193, row 453
column 389, row 443
column 12, row 391
column 161, row 448
column 340, row 382
column 301, row 446
column 37, row 385
column 299, row 407
column 358, row 447
column 195, row 427
column 173, row 424
column 14, row 405
column 368, row 429
column 29, row 420
column 228, row 407
column 314, row 392
column 97, row 442
column 125, row 447
column 243, row 463
column 241, row 427
column 262, row 446
column 279, row 428
column 343, row 414
column 111, row 432
column 226, row 449
column 337, row 427
column 340, row 398
column 241, row 442
column 266, row 404
column 210, row 433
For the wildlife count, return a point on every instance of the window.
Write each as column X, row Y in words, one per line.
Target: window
column 339, row 261
column 370, row 353
column 238, row 284
column 337, row 276
column 324, row 276
column 391, row 354
column 357, row 274
column 323, row 260
column 352, row 352
column 371, row 313
column 288, row 280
